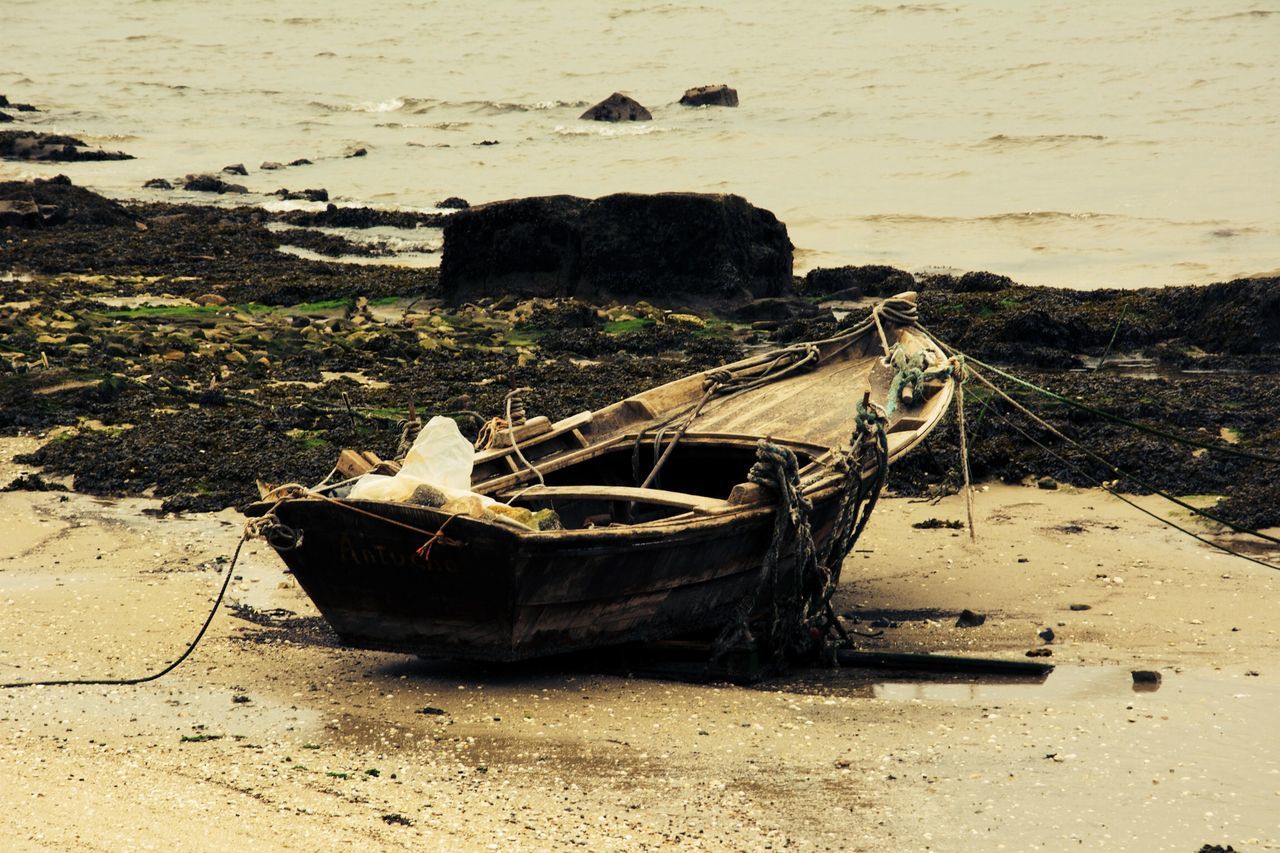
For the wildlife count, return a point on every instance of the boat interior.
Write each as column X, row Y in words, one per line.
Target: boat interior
column 702, row 476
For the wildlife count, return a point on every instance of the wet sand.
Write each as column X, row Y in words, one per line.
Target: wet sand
column 270, row 736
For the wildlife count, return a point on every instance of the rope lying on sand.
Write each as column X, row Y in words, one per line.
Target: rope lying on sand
column 191, row 647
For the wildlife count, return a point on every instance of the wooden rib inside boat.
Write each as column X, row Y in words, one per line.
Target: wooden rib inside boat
column 643, row 554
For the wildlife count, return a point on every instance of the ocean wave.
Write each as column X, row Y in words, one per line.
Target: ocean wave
column 1260, row 14
column 377, row 106
column 1050, row 140
column 910, row 8
column 1028, row 217
column 501, row 107
column 629, row 129
column 662, row 9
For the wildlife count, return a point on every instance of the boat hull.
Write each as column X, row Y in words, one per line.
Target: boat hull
column 482, row 592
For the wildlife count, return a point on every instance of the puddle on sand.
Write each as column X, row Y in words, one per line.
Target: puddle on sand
column 1064, row 684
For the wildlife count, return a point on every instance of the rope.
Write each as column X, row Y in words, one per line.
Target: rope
column 720, row 384
column 961, row 375
column 490, row 431
column 1141, row 427
column 409, row 429
column 795, row 580
column 191, row 647
column 884, row 341
column 1106, row 352
column 1103, row 461
column 511, row 434
column 1102, row 485
column 1095, row 456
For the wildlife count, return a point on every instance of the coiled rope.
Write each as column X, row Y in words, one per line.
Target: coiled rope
column 795, row 582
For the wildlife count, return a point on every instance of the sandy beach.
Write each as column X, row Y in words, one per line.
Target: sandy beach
column 238, row 244
column 272, row 737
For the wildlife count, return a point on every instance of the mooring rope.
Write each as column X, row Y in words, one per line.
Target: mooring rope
column 1114, row 418
column 1102, row 485
column 961, row 374
column 191, row 647
column 1107, row 463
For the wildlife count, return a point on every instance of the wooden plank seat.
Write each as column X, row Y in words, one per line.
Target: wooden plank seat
column 633, row 494
column 564, row 427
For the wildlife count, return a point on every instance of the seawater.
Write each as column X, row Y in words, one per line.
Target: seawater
column 1079, row 144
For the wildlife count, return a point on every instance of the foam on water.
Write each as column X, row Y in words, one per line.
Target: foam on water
column 1065, row 142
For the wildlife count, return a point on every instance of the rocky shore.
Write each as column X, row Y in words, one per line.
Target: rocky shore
column 155, row 359
column 176, row 350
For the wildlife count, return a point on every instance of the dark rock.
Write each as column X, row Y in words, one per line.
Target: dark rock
column 775, row 309
column 212, row 397
column 210, row 184
column 1040, row 653
column 453, row 203
column 301, row 161
column 1047, row 635
column 5, row 118
column 717, row 95
column 484, row 142
column 1146, row 676
column 661, row 247
column 617, row 107
column 30, row 145
column 235, row 169
column 158, row 184
column 856, row 282
column 1081, row 607
column 396, row 819
column 303, row 195
column 360, row 217
column 969, row 619
column 982, row 282
column 270, row 166
column 938, row 524
column 22, row 108
column 1047, row 483
column 17, row 213
column 32, row 483
column 358, row 152
column 57, row 200
column 432, row 712
column 1241, row 316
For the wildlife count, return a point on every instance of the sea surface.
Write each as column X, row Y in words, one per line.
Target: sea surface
column 1082, row 143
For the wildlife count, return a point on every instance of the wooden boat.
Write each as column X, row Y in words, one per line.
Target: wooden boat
column 632, row 563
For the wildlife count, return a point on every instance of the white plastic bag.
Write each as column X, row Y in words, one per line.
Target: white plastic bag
column 440, row 457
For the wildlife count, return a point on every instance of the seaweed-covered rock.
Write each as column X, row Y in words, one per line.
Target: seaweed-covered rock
column 665, row 247
column 982, row 282
column 302, row 195
column 618, row 107
column 210, row 184
column 30, row 145
column 855, row 282
column 1241, row 316
column 54, row 201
